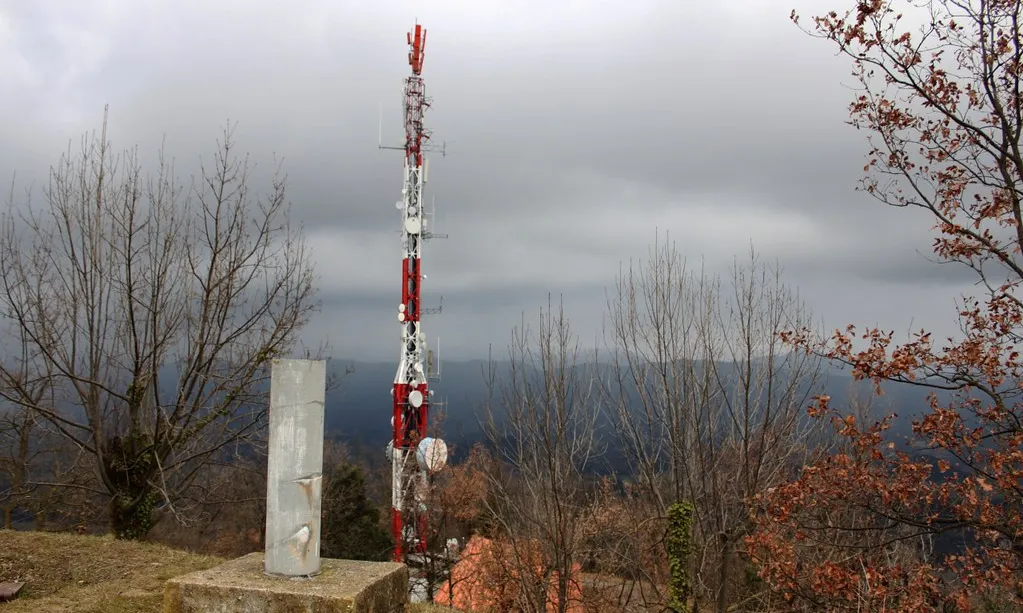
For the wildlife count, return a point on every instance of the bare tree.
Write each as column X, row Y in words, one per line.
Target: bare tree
column 707, row 400
column 152, row 313
column 16, row 454
column 19, row 445
column 457, row 510
column 541, row 421
column 39, row 471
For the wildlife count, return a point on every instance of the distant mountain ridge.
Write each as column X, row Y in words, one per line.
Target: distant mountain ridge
column 359, row 411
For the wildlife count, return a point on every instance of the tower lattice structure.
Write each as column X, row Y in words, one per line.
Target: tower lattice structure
column 411, row 394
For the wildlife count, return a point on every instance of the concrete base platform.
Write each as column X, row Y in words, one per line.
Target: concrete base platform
column 241, row 586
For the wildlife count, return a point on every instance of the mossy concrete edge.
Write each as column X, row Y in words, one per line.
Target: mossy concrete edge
column 241, row 586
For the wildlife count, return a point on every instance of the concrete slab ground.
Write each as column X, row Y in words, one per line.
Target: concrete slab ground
column 241, row 586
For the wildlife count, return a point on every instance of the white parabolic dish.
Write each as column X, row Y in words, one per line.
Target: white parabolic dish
column 413, row 225
column 432, row 454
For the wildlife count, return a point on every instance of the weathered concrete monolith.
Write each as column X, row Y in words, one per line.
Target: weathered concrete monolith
column 294, row 467
column 288, row 576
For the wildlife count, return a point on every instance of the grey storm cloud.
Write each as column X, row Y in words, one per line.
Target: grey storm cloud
column 575, row 131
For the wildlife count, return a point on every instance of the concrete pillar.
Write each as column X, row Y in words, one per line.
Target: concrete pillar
column 293, row 475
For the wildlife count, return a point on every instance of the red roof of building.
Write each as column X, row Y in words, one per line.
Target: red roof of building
column 487, row 575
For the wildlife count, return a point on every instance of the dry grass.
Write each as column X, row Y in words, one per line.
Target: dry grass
column 429, row 608
column 65, row 572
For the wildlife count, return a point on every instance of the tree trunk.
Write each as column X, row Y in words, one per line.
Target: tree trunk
column 131, row 517
column 722, row 600
column 562, row 590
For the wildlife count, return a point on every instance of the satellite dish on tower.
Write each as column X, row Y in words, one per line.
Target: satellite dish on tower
column 432, row 454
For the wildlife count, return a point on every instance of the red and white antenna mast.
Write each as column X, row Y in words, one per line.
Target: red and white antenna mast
column 413, row 454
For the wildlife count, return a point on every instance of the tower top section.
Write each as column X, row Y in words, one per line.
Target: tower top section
column 417, row 48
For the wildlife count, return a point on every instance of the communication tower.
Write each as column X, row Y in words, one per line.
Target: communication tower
column 413, row 454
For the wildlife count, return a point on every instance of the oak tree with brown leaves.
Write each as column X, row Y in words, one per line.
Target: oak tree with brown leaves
column 942, row 105
column 454, row 499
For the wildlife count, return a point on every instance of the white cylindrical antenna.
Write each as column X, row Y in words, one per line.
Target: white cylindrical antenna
column 426, row 170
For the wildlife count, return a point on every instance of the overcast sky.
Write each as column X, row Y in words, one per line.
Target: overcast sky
column 575, row 130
